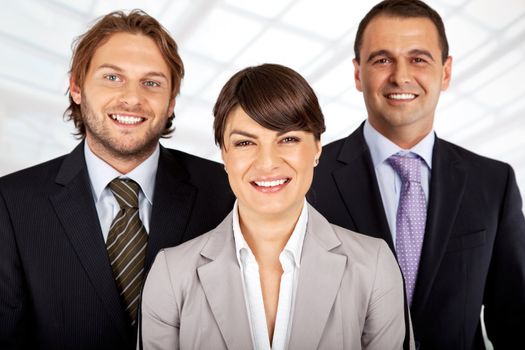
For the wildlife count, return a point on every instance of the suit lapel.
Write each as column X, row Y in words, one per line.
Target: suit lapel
column 222, row 284
column 447, row 185
column 172, row 203
column 320, row 276
column 357, row 183
column 76, row 211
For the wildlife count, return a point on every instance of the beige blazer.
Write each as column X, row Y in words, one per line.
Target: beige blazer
column 349, row 293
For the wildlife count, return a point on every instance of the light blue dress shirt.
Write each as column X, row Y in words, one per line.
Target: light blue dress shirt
column 101, row 174
column 389, row 182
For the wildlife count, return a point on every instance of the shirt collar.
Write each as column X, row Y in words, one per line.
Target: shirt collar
column 382, row 148
column 101, row 173
column 294, row 245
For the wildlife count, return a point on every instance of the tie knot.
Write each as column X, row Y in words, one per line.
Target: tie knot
column 126, row 192
column 408, row 168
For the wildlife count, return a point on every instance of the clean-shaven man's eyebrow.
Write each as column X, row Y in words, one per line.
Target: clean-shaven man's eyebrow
column 420, row 52
column 377, row 53
column 414, row 52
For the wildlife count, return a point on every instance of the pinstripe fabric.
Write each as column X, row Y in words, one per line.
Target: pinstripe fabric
column 126, row 244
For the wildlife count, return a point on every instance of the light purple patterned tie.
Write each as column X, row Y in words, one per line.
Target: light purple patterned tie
column 411, row 218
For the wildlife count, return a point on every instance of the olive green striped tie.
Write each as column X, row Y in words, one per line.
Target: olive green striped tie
column 126, row 244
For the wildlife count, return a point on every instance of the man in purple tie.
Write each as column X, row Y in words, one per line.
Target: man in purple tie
column 453, row 218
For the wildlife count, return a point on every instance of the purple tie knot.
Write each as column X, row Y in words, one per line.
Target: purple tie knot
column 408, row 168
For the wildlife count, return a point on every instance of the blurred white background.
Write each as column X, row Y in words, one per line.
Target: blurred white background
column 484, row 109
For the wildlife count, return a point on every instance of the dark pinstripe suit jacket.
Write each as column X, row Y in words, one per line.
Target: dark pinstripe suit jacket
column 56, row 286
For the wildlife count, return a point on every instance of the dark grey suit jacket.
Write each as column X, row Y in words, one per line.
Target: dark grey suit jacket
column 56, row 286
column 474, row 246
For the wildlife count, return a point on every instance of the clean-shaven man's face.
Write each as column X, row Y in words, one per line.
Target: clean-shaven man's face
column 401, row 74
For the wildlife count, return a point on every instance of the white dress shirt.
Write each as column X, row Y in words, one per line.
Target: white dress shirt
column 290, row 259
column 101, row 174
column 388, row 180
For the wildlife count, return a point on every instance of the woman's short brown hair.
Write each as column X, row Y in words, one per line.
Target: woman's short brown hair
column 135, row 22
column 276, row 97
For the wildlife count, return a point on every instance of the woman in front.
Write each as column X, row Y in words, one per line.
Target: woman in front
column 274, row 274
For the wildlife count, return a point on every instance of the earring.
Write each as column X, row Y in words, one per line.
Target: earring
column 226, row 170
column 316, row 162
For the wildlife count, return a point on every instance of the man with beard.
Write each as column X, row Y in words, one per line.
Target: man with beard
column 78, row 233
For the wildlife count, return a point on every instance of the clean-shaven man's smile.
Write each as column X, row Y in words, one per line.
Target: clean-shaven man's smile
column 401, row 96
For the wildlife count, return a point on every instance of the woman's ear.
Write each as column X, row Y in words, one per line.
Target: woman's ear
column 318, row 154
column 222, row 157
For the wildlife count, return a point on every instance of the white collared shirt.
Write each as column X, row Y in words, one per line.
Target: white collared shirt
column 101, row 174
column 388, row 180
column 290, row 259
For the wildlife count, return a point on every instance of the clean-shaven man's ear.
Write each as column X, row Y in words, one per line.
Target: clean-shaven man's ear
column 447, row 73
column 357, row 75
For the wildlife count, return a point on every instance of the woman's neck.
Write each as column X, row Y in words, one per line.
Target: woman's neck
column 267, row 235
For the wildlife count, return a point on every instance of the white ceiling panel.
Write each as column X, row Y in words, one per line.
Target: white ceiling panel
column 222, row 35
column 36, row 24
column 279, row 46
column 196, row 71
column 84, row 6
column 20, row 65
column 332, row 83
column 328, row 18
column 212, row 88
column 268, row 9
column 502, row 89
column 468, row 39
column 103, row 7
column 501, row 13
column 456, row 116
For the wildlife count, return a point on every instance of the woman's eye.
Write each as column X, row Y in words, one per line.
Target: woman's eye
column 242, row 143
column 290, row 139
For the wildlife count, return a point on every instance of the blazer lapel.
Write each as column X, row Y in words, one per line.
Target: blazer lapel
column 222, row 284
column 357, row 183
column 447, row 185
column 172, row 203
column 320, row 276
column 76, row 211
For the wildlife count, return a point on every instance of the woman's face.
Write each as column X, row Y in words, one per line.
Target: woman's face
column 269, row 172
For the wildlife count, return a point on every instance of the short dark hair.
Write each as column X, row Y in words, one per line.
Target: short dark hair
column 402, row 9
column 135, row 22
column 276, row 97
